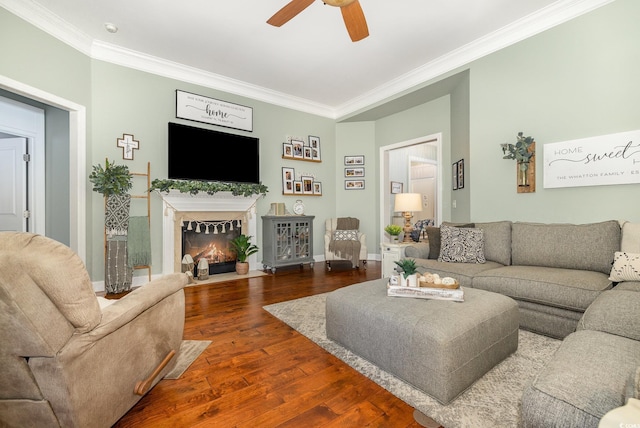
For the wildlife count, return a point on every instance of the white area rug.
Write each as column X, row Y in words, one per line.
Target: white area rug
column 189, row 351
column 493, row 401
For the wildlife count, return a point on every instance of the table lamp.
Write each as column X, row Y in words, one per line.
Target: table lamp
column 408, row 203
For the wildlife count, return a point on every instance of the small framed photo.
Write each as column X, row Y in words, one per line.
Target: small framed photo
column 354, row 184
column 454, row 176
column 314, row 143
column 307, row 185
column 288, row 176
column 354, row 160
column 287, row 150
column 354, row 172
column 396, row 187
column 297, row 187
column 298, row 149
column 317, row 188
column 307, row 152
column 461, row 174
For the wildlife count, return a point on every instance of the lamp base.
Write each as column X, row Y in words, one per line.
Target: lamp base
column 407, row 226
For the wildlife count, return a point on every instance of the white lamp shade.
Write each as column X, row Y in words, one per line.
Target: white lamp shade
column 408, row 202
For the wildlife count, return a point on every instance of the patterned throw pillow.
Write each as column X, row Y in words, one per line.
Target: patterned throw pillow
column 461, row 245
column 345, row 235
column 626, row 267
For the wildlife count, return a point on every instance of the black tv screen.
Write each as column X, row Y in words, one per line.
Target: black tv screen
column 204, row 154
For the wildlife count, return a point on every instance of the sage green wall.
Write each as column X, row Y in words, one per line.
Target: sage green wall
column 134, row 102
column 355, row 139
column 577, row 80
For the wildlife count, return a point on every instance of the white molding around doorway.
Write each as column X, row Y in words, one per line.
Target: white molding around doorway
column 77, row 157
column 385, row 195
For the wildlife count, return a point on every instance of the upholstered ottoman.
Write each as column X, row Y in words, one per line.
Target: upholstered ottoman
column 440, row 347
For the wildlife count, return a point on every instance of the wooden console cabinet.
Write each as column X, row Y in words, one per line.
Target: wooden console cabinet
column 287, row 240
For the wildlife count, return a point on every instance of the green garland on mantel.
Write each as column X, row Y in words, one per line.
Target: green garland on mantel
column 210, row 187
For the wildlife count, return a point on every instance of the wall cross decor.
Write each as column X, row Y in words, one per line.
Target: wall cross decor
column 128, row 145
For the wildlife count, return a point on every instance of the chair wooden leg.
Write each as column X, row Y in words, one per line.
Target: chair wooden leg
column 328, row 264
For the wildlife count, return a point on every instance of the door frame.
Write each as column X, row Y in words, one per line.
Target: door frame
column 385, row 196
column 77, row 158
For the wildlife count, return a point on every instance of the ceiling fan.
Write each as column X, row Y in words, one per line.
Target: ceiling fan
column 351, row 13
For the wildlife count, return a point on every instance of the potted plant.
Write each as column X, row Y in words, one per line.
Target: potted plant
column 522, row 152
column 243, row 248
column 114, row 182
column 409, row 277
column 393, row 230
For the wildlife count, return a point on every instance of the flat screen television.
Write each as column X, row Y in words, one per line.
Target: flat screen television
column 205, row 154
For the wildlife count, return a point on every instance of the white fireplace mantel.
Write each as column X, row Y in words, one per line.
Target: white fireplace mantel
column 174, row 202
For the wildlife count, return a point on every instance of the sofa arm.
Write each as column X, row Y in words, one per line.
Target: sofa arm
column 417, row 251
column 614, row 312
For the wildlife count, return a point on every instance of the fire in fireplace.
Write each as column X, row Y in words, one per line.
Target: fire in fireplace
column 210, row 240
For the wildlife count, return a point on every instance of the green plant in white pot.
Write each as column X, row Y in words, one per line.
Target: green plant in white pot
column 243, row 248
column 409, row 276
column 393, row 230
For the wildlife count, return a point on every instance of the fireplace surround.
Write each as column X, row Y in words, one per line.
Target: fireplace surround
column 220, row 206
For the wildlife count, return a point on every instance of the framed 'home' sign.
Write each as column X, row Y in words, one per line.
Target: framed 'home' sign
column 215, row 112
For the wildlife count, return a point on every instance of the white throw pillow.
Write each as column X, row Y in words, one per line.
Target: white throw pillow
column 630, row 242
column 345, row 235
column 626, row 267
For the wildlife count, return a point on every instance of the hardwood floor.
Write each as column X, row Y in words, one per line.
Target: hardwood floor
column 258, row 372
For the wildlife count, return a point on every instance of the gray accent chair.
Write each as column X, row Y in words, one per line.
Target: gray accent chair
column 330, row 227
column 64, row 361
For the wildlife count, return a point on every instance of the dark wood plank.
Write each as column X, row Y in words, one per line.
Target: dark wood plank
column 258, row 372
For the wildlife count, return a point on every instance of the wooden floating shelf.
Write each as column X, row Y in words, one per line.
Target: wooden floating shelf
column 301, row 159
column 299, row 194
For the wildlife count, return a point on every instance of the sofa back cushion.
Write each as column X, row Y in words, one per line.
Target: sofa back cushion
column 570, row 246
column 497, row 241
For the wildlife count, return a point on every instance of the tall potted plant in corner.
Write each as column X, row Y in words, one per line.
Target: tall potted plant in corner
column 243, row 248
column 114, row 182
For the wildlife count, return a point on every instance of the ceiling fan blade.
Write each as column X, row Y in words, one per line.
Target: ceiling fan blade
column 293, row 8
column 354, row 20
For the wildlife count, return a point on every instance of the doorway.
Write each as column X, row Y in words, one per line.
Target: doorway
column 417, row 165
column 22, row 177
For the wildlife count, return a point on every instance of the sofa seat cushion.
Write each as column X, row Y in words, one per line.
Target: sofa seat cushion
column 628, row 285
column 463, row 272
column 562, row 288
column 584, row 380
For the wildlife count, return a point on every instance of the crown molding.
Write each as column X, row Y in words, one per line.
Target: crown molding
column 50, row 23
column 162, row 67
column 535, row 23
column 548, row 17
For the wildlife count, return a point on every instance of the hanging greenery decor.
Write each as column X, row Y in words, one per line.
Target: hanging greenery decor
column 210, row 187
column 111, row 180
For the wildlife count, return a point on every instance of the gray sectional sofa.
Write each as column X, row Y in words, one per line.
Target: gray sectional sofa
column 559, row 276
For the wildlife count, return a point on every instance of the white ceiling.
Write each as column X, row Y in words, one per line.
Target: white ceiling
column 309, row 63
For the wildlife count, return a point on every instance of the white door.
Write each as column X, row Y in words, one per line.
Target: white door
column 13, row 184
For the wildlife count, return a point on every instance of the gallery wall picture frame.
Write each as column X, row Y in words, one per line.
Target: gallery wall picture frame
column 287, row 150
column 298, row 149
column 307, row 152
column 454, row 176
column 288, row 177
column 307, row 185
column 354, row 172
column 354, row 160
column 396, row 187
column 297, row 187
column 354, row 184
column 314, row 143
column 317, row 188
column 461, row 174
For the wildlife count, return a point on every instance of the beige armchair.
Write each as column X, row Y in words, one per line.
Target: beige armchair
column 348, row 247
column 64, row 361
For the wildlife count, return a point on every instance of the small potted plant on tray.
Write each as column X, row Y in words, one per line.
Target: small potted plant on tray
column 409, row 277
column 243, row 248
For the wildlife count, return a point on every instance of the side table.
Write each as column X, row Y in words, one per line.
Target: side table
column 391, row 252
